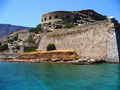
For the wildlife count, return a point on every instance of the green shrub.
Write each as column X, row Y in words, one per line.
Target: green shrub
column 29, row 49
column 51, row 47
column 3, row 47
column 17, row 47
column 116, row 23
column 15, row 38
column 69, row 25
column 30, row 39
column 37, row 29
column 34, row 30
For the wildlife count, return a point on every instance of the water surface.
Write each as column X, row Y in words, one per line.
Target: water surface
column 28, row 76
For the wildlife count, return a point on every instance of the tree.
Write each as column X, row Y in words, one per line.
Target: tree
column 51, row 47
column 116, row 23
column 39, row 28
column 33, row 30
column 30, row 39
column 3, row 47
column 15, row 38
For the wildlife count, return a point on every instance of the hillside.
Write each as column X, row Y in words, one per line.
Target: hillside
column 6, row 29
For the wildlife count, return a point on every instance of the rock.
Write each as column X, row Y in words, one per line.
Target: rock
column 91, row 61
column 51, row 56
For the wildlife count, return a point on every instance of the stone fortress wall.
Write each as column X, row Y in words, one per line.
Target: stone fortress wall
column 53, row 19
column 58, row 19
column 96, row 41
column 57, row 16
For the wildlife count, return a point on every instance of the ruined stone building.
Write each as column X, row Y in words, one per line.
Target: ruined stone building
column 23, row 35
column 16, row 47
column 57, row 19
column 97, row 37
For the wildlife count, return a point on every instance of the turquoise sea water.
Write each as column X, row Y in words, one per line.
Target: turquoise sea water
column 28, row 76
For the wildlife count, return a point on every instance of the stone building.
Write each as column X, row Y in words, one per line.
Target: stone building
column 16, row 47
column 57, row 19
column 23, row 35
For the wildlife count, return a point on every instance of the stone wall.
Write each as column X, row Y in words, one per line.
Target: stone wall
column 23, row 35
column 57, row 16
column 112, row 48
column 96, row 41
column 57, row 19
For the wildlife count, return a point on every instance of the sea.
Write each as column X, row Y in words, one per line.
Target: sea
column 46, row 76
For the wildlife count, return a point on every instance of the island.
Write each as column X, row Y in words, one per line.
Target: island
column 76, row 37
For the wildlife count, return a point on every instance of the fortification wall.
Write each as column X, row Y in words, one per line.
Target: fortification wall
column 96, row 41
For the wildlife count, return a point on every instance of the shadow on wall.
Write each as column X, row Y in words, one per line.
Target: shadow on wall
column 118, row 41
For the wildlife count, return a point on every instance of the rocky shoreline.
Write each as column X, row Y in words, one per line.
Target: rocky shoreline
column 74, row 62
column 57, row 56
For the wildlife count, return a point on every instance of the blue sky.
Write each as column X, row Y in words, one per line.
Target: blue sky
column 28, row 12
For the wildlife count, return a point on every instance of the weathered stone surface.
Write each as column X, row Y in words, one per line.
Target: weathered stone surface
column 57, row 19
column 50, row 56
column 96, row 41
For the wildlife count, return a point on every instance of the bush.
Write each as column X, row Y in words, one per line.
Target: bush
column 51, row 47
column 116, row 23
column 69, row 25
column 3, row 47
column 37, row 29
column 34, row 30
column 18, row 47
column 29, row 49
column 15, row 38
column 30, row 39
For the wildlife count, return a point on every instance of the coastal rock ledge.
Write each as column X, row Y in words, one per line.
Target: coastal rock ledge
column 56, row 56
column 50, row 56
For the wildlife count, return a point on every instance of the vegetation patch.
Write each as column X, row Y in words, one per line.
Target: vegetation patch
column 51, row 47
column 15, row 38
column 116, row 23
column 29, row 49
column 37, row 29
column 3, row 47
column 30, row 39
column 69, row 25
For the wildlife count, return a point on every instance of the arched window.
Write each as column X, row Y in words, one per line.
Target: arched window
column 50, row 17
column 45, row 18
column 56, row 16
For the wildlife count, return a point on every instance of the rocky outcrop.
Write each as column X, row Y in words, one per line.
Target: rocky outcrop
column 50, row 56
column 56, row 56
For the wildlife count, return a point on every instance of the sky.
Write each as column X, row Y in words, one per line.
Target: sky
column 29, row 12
